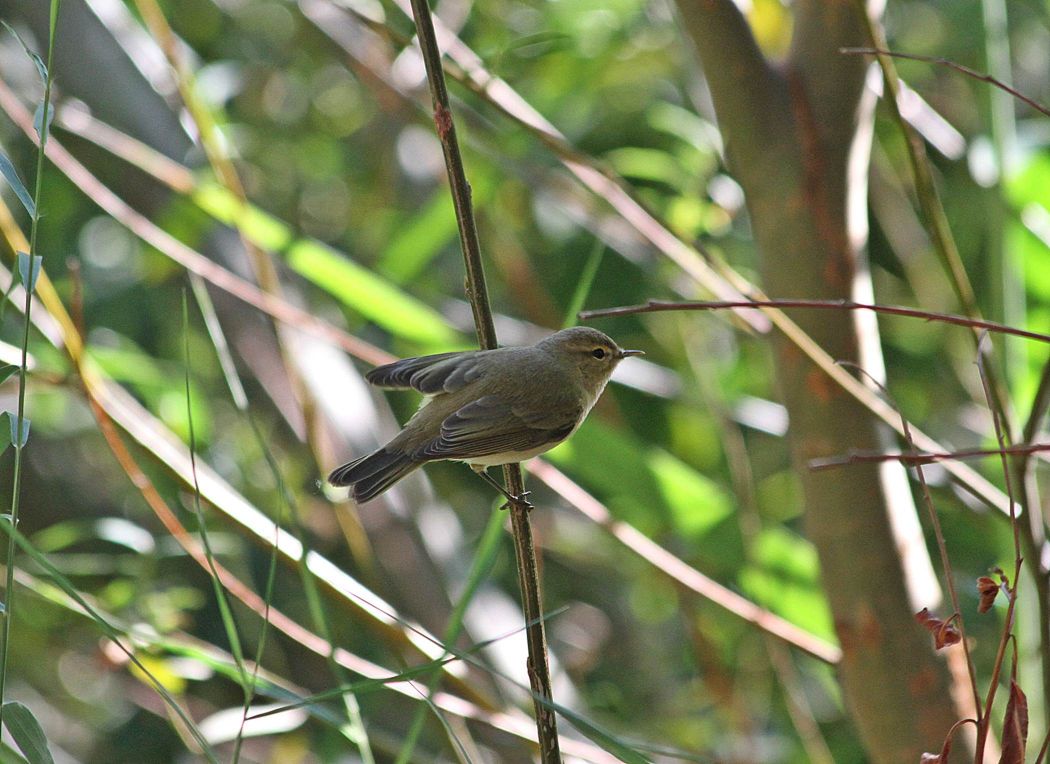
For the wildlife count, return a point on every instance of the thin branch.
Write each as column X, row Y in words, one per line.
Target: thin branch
column 973, row 73
column 477, row 292
column 942, row 546
column 916, row 458
column 983, row 726
column 657, row 306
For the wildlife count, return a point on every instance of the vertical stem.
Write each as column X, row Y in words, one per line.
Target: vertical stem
column 19, row 441
column 477, row 294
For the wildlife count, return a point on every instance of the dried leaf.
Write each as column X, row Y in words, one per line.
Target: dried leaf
column 988, row 588
column 944, row 633
column 1015, row 727
column 942, row 757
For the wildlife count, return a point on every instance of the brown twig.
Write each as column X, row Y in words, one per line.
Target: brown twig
column 942, row 547
column 973, row 73
column 657, row 306
column 993, row 683
column 477, row 294
column 917, row 458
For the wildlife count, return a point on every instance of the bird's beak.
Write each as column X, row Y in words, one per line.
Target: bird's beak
column 625, row 353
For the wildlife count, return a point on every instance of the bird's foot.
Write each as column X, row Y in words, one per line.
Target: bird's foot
column 521, row 500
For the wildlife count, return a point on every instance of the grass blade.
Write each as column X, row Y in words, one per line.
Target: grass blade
column 586, row 281
column 27, row 732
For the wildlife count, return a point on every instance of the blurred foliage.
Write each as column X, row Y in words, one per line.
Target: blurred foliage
column 347, row 189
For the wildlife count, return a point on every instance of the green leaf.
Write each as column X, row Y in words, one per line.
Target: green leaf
column 374, row 298
column 29, row 269
column 651, row 165
column 260, row 228
column 586, row 281
column 27, row 732
column 420, row 240
column 357, row 287
column 40, row 67
column 653, row 488
column 6, row 371
column 11, row 176
column 784, row 578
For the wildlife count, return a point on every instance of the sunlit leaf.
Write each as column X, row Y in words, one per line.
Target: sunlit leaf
column 648, row 164
column 785, row 579
column 27, row 733
column 261, row 229
column 420, row 240
column 357, row 287
column 374, row 298
column 646, row 479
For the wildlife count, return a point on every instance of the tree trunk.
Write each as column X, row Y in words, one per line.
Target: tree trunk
column 797, row 138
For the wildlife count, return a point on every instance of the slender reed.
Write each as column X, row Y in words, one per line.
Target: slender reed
column 20, row 431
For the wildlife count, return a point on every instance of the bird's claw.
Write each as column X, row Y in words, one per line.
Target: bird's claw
column 521, row 500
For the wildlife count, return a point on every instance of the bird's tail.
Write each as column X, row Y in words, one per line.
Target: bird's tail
column 370, row 475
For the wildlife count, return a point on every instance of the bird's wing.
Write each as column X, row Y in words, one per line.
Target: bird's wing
column 431, row 374
column 490, row 425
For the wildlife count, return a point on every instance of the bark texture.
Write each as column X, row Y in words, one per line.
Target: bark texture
column 797, row 138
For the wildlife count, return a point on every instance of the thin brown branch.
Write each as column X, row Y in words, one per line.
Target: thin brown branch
column 984, row 725
column 538, row 666
column 917, row 458
column 935, row 219
column 657, row 306
column 972, row 73
column 942, row 546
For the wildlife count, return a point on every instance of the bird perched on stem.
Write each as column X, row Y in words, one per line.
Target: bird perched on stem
column 488, row 407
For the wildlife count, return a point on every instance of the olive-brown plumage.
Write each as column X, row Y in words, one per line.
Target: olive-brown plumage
column 487, row 407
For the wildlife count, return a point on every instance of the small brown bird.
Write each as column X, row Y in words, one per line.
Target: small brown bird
column 488, row 407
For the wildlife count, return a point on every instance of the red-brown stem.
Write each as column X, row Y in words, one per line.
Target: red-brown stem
column 658, row 306
column 993, row 684
column 477, row 293
column 972, row 73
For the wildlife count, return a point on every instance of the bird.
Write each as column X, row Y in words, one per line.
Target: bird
column 487, row 407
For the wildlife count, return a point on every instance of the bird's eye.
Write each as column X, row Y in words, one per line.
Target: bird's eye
column 598, row 353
